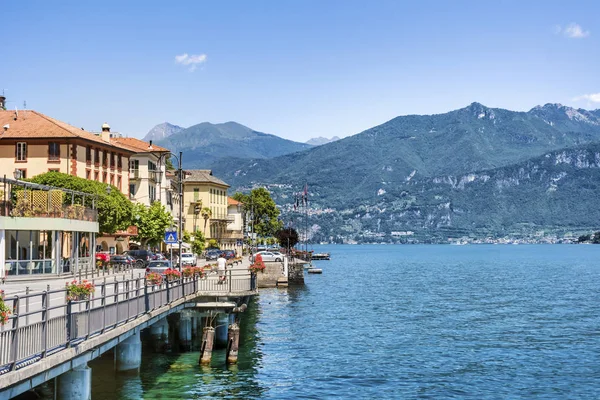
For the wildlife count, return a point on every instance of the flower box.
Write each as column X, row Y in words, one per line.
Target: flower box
column 77, row 291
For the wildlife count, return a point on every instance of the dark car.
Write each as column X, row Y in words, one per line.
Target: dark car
column 142, row 257
column 212, row 254
column 121, row 259
column 228, row 254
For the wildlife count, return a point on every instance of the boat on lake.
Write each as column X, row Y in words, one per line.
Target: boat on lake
column 321, row 256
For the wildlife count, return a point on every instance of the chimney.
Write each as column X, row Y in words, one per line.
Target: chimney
column 105, row 135
column 2, row 102
column 150, row 147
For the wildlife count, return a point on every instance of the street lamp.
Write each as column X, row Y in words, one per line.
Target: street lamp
column 180, row 176
column 108, row 189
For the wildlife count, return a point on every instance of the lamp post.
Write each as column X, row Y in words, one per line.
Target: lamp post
column 180, row 177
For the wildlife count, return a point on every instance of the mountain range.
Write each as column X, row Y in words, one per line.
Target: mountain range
column 205, row 143
column 392, row 177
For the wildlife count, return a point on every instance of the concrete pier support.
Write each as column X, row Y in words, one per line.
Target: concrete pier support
column 75, row 384
column 159, row 333
column 233, row 343
column 128, row 354
column 221, row 330
column 208, row 338
column 185, row 331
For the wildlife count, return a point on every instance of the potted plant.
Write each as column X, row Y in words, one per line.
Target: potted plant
column 258, row 266
column 79, row 290
column 153, row 278
column 4, row 310
column 172, row 274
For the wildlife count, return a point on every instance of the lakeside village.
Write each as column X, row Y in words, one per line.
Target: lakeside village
column 107, row 177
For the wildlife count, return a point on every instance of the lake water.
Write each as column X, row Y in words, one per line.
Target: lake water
column 405, row 322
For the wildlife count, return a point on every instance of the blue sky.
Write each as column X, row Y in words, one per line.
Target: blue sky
column 297, row 69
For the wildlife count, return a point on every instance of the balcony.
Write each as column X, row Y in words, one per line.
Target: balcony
column 134, row 174
column 30, row 200
column 222, row 218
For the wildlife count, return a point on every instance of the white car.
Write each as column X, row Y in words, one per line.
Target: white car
column 188, row 259
column 269, row 256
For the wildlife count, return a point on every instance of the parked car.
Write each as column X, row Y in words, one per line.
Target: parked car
column 158, row 266
column 188, row 259
column 121, row 259
column 228, row 254
column 212, row 254
column 142, row 257
column 158, row 256
column 268, row 256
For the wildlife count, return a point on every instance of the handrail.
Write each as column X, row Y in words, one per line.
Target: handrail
column 45, row 323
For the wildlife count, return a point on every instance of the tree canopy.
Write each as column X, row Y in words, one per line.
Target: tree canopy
column 115, row 211
column 287, row 237
column 152, row 222
column 266, row 213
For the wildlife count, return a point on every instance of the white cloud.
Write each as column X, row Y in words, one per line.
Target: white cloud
column 573, row 31
column 592, row 97
column 191, row 60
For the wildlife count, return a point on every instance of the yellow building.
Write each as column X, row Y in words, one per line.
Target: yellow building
column 202, row 192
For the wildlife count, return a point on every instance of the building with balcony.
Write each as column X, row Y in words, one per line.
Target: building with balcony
column 234, row 235
column 202, row 190
column 45, row 230
column 147, row 172
column 32, row 143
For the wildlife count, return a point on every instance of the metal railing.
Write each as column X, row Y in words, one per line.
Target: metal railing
column 26, row 199
column 46, row 323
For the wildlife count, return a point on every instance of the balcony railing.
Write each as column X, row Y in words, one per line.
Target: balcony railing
column 24, row 199
column 222, row 218
column 134, row 174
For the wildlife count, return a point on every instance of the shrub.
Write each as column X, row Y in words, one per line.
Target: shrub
column 4, row 310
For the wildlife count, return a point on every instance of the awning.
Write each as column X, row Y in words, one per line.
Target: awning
column 176, row 246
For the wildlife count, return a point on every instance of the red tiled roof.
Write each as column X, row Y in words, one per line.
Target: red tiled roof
column 139, row 146
column 35, row 125
column 233, row 202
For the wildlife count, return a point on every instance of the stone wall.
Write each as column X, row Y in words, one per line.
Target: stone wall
column 268, row 278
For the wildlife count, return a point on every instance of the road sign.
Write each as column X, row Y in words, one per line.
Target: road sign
column 170, row 237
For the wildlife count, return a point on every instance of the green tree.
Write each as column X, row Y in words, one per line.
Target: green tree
column 264, row 209
column 152, row 222
column 115, row 211
column 212, row 243
column 199, row 243
column 287, row 237
column 206, row 214
column 186, row 236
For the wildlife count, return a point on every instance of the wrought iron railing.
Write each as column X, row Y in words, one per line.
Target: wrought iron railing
column 46, row 323
column 26, row 199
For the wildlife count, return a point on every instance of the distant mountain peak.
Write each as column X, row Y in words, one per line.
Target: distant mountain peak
column 162, row 131
column 318, row 141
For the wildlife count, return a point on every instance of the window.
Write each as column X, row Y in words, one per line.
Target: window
column 53, row 151
column 104, row 175
column 105, row 159
column 151, row 193
column 131, row 189
column 112, row 160
column 119, row 162
column 53, row 169
column 112, row 179
column 22, row 173
column 170, row 199
column 196, row 194
column 96, row 176
column 88, row 174
column 119, row 183
column 134, row 165
column 96, row 157
column 21, row 151
column 88, row 155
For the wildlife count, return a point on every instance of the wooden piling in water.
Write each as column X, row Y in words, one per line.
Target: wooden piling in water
column 208, row 339
column 233, row 342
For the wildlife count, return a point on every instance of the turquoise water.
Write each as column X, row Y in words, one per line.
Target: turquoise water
column 405, row 322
